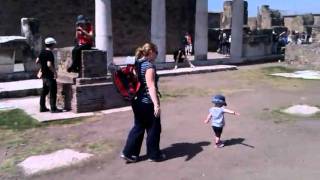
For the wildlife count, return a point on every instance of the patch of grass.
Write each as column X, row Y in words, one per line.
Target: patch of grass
column 252, row 77
column 278, row 116
column 100, row 147
column 277, row 69
column 168, row 93
column 17, row 119
column 72, row 121
column 8, row 166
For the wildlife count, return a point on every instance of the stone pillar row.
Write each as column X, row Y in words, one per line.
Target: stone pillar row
column 103, row 22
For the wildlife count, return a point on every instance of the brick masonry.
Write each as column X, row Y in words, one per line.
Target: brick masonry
column 131, row 20
column 91, row 89
column 305, row 56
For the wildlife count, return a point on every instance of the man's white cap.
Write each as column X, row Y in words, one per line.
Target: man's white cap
column 50, row 40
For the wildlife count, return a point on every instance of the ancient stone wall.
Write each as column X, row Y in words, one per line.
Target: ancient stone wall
column 298, row 23
column 306, row 56
column 269, row 18
column 131, row 20
column 258, row 44
column 214, row 20
column 252, row 23
column 316, row 20
column 227, row 14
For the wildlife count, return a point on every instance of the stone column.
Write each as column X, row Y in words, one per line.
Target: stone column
column 30, row 30
column 103, row 28
column 201, row 30
column 237, row 31
column 158, row 27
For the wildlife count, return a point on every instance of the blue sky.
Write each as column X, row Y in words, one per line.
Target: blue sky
column 288, row 6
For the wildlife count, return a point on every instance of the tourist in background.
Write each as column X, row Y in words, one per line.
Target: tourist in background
column 146, row 109
column 48, row 75
column 187, row 41
column 84, row 41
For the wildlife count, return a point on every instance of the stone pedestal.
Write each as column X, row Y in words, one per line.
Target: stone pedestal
column 90, row 89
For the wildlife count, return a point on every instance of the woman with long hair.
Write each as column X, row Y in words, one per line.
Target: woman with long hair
column 146, row 109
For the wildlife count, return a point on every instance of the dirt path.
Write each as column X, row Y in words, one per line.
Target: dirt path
column 261, row 143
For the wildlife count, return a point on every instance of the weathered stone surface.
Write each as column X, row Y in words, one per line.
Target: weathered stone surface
column 258, row 44
column 302, row 110
column 30, row 30
column 227, row 14
column 95, row 97
column 307, row 55
column 268, row 18
column 64, row 59
column 7, row 58
column 94, row 64
column 307, row 74
column 131, row 20
column 62, row 158
column 299, row 22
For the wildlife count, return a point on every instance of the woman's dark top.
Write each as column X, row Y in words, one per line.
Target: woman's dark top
column 144, row 95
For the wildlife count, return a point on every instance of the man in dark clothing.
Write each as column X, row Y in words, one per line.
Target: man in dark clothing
column 49, row 75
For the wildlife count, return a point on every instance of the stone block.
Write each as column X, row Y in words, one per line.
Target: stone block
column 6, row 68
column 7, row 56
column 94, row 64
column 95, row 97
column 63, row 59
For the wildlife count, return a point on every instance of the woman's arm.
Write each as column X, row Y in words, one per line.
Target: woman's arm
column 151, row 85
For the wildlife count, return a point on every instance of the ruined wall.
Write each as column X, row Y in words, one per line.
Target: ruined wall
column 227, row 15
column 269, row 18
column 214, row 20
column 316, row 20
column 131, row 20
column 252, row 23
column 258, row 44
column 298, row 23
column 306, row 56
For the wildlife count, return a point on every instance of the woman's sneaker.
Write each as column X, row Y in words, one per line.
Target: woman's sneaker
column 129, row 159
column 161, row 157
column 219, row 145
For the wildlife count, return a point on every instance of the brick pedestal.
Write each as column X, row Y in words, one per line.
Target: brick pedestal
column 91, row 89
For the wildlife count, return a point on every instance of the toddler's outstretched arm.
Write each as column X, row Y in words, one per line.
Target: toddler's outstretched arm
column 208, row 118
column 231, row 112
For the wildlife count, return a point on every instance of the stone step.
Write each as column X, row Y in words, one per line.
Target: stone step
column 33, row 87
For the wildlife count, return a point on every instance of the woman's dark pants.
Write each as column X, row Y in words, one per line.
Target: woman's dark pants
column 144, row 120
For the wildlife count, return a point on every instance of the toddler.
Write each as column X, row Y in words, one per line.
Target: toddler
column 216, row 116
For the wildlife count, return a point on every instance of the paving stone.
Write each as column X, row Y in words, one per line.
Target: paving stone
column 58, row 159
column 308, row 74
column 304, row 110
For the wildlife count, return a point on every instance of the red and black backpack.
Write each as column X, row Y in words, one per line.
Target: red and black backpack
column 126, row 80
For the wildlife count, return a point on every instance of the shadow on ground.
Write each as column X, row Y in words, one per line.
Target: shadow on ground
column 236, row 141
column 189, row 150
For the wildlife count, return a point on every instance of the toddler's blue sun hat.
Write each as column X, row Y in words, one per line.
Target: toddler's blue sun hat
column 219, row 99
